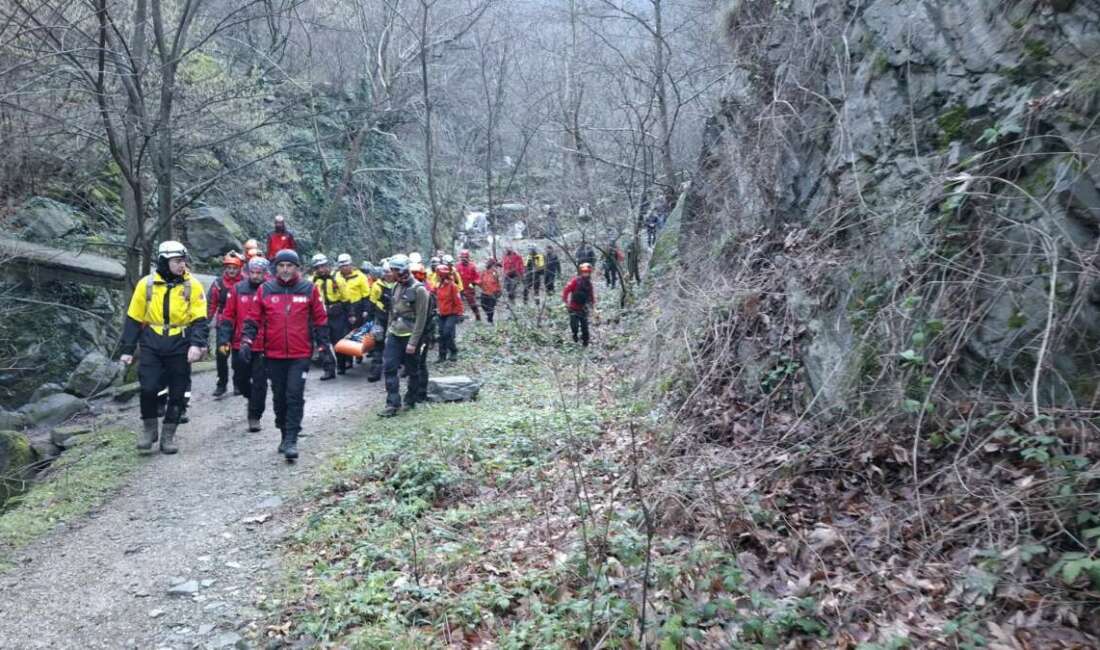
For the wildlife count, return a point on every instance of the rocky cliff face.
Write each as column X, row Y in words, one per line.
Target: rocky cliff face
column 914, row 187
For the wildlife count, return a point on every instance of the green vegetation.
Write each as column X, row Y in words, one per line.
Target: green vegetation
column 1036, row 50
column 952, row 125
column 78, row 481
column 493, row 522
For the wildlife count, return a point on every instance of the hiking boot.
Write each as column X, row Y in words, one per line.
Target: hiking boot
column 388, row 412
column 219, row 390
column 148, row 435
column 408, row 406
column 290, row 447
column 167, row 439
column 329, row 374
column 282, row 441
column 253, row 425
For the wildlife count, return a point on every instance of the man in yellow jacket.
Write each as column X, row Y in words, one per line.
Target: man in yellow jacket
column 335, row 298
column 167, row 318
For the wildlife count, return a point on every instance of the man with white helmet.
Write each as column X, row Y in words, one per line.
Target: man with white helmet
column 336, row 305
column 167, row 318
column 408, row 316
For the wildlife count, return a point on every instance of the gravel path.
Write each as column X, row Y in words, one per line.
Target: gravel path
column 209, row 517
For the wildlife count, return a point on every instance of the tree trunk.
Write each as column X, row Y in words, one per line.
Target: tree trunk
column 660, row 64
column 429, row 144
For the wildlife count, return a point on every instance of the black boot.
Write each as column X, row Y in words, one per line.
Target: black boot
column 167, row 439
column 290, row 447
column 329, row 374
column 253, row 425
column 219, row 390
column 149, row 434
column 282, row 441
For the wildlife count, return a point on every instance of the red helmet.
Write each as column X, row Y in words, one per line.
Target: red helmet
column 586, row 268
column 465, row 254
column 233, row 258
column 443, row 270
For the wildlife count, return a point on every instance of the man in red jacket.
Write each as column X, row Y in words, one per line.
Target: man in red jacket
column 449, row 301
column 470, row 278
column 249, row 379
column 579, row 296
column 513, row 272
column 290, row 313
column 216, row 301
column 280, row 239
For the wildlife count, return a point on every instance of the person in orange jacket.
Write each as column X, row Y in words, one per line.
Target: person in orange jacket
column 513, row 272
column 468, row 272
column 490, row 288
column 449, row 301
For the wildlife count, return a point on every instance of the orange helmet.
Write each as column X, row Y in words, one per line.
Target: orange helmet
column 233, row 258
column 586, row 268
column 418, row 271
column 443, row 270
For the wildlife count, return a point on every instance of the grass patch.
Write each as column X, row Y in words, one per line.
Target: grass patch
column 504, row 522
column 77, row 482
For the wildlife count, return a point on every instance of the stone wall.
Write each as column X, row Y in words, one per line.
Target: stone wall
column 923, row 178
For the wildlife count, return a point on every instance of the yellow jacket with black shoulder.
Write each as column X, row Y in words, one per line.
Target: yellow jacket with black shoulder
column 166, row 318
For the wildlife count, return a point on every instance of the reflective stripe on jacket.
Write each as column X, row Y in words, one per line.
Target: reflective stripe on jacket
column 289, row 315
column 173, row 312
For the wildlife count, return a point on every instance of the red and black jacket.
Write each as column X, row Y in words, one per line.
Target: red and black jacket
column 218, row 296
column 237, row 308
column 290, row 316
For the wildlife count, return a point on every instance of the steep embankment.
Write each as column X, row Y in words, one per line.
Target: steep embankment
column 881, row 335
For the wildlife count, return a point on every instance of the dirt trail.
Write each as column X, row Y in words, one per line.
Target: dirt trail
column 103, row 581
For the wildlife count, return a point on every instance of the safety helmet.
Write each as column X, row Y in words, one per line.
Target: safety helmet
column 280, row 218
column 319, row 260
column 414, row 258
column 257, row 264
column 399, row 264
column 418, row 271
column 233, row 258
column 287, row 255
column 586, row 268
column 448, row 259
column 251, row 243
column 465, row 254
column 343, row 260
column 366, row 268
column 171, row 249
column 443, row 270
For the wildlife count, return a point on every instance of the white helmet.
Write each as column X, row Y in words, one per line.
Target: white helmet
column 449, row 260
column 399, row 263
column 318, row 260
column 414, row 258
column 171, row 249
column 343, row 259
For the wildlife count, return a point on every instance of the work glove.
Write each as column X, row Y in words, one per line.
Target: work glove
column 224, row 349
column 245, row 353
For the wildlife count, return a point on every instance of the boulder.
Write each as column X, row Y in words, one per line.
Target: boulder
column 46, row 219
column 44, row 391
column 54, row 409
column 94, row 374
column 211, row 232
column 17, row 463
column 126, row 392
column 67, row 437
column 459, row 388
column 12, row 420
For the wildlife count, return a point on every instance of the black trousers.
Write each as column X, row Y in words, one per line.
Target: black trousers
column 448, row 325
column 532, row 282
column 422, row 351
column 394, row 357
column 611, row 275
column 156, row 370
column 337, row 329
column 288, row 390
column 251, row 380
column 222, row 361
column 550, row 278
column 578, row 321
column 489, row 304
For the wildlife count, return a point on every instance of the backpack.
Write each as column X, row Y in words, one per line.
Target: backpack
column 223, row 294
column 582, row 293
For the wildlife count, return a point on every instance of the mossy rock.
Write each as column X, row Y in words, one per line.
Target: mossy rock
column 17, row 462
column 668, row 241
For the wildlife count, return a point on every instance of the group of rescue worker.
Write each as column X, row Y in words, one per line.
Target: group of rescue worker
column 272, row 321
